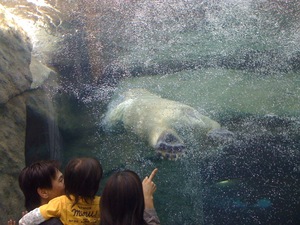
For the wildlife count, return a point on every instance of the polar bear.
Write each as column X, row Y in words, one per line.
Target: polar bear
column 161, row 122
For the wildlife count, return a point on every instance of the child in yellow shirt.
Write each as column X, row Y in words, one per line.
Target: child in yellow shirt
column 80, row 205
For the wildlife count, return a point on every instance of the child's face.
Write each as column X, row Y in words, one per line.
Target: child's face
column 58, row 186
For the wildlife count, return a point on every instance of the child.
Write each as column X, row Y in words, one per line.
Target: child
column 79, row 205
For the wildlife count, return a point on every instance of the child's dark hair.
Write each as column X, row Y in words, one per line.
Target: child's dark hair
column 82, row 178
column 37, row 175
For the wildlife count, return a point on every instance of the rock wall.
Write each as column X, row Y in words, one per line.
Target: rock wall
column 15, row 58
column 21, row 79
column 15, row 79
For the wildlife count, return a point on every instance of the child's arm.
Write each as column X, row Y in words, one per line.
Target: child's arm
column 33, row 217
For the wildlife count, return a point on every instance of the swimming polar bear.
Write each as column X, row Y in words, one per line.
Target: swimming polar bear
column 161, row 122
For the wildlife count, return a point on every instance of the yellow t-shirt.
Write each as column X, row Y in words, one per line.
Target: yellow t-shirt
column 81, row 213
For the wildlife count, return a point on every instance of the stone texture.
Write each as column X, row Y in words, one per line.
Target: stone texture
column 22, row 86
column 40, row 73
column 12, row 141
column 15, row 55
column 15, row 79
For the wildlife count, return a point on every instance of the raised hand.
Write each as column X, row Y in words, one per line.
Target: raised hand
column 149, row 188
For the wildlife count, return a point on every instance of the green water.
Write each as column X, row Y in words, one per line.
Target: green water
column 219, row 90
column 228, row 97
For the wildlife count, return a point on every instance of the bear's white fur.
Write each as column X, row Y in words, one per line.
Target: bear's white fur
column 160, row 121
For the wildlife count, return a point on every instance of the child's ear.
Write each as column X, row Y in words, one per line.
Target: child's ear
column 43, row 193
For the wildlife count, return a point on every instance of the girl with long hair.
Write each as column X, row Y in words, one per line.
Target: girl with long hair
column 128, row 201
